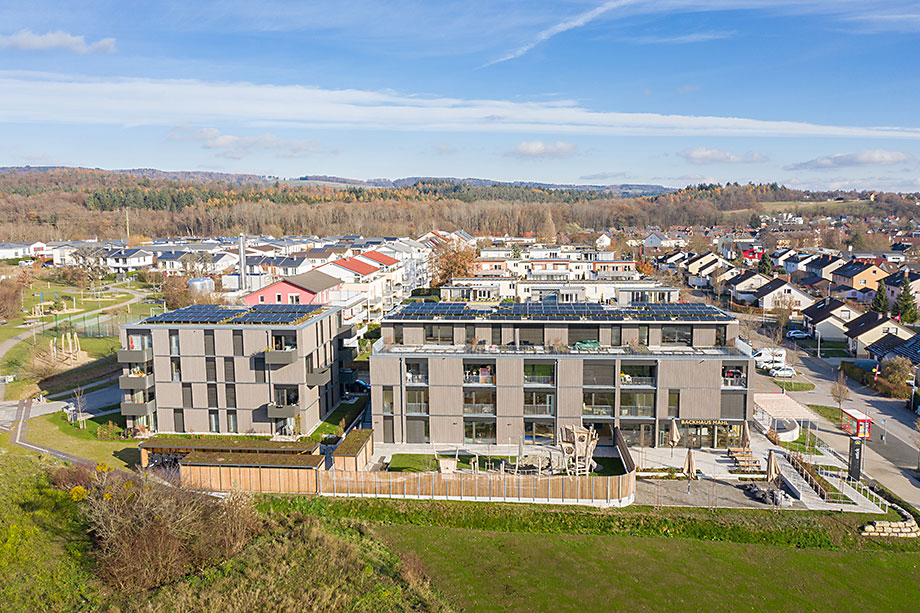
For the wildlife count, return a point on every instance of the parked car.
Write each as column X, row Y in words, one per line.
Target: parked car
column 733, row 373
column 767, row 354
column 797, row 334
column 783, row 371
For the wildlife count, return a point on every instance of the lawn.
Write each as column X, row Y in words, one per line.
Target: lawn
column 17, row 359
column 489, row 571
column 346, row 411
column 831, row 414
column 53, row 431
column 418, row 463
column 795, row 386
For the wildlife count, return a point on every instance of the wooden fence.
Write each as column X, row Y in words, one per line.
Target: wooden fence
column 618, row 491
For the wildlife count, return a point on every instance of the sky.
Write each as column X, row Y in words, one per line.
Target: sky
column 808, row 93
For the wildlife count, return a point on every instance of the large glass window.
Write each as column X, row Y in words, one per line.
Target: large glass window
column 479, row 431
column 229, row 370
column 209, row 342
column 637, row 374
column 286, row 395
column 230, row 393
column 212, row 395
column 598, row 403
column 643, row 335
column 540, row 374
column 417, row 372
column 259, row 368
column 673, row 403
column 397, row 334
column 479, row 401
column 417, row 401
column 599, row 373
column 677, row 335
column 178, row 420
column 174, row 342
column 474, row 373
column 638, row 434
column 539, row 403
column 210, row 369
column 616, row 336
column 213, row 421
column 529, row 335
column 237, row 342
column 721, row 340
column 232, row 425
column 496, row 335
column 138, row 340
column 175, row 368
column 187, row 395
column 584, row 333
column 539, row 432
column 439, row 334
column 637, row 404
column 388, row 399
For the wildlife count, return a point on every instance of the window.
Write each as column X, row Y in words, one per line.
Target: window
column 293, row 298
column 479, row 401
column 439, row 334
column 616, row 336
column 259, row 368
column 286, row 395
column 721, row 336
column 174, row 342
column 388, row 430
column 232, row 425
column 212, row 395
column 584, row 333
column 673, row 403
column 732, row 405
column 229, row 370
column 470, row 333
column 213, row 421
column 230, row 393
column 539, row 403
column 397, row 334
column 417, row 401
column 539, row 432
column 209, row 342
column 598, row 403
column 529, row 335
column 540, row 374
column 178, row 420
column 175, row 368
column 277, row 298
column 637, row 404
column 187, row 395
column 210, row 369
column 496, row 335
column 479, row 431
column 138, row 340
column 237, row 342
column 388, row 399
column 598, row 373
column 643, row 335
column 262, row 298
column 417, row 430
column 677, row 335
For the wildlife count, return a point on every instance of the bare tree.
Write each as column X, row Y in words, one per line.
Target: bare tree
column 782, row 310
column 839, row 390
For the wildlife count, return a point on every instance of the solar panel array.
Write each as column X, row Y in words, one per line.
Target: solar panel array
column 560, row 311
column 265, row 314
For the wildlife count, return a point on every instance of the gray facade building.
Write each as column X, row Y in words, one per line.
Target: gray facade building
column 264, row 369
column 464, row 374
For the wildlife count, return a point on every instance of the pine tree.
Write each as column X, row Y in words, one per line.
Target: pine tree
column 764, row 267
column 905, row 306
column 880, row 301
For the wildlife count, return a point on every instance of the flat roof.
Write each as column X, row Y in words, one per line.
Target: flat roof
column 553, row 311
column 259, row 314
column 780, row 406
column 223, row 444
column 216, row 458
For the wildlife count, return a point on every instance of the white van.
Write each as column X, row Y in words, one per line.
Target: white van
column 768, row 354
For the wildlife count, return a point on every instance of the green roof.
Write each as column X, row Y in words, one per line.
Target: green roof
column 215, row 458
column 353, row 443
column 223, row 444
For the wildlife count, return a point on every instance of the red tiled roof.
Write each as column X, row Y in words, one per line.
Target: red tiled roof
column 380, row 258
column 354, row 265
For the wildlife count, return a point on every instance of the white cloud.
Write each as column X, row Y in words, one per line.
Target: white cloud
column 238, row 147
column 41, row 97
column 604, row 176
column 867, row 157
column 564, row 26
column 687, row 89
column 26, row 40
column 539, row 149
column 683, row 39
column 705, row 155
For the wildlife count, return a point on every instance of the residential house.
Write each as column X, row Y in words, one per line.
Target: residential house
column 829, row 318
column 128, row 260
column 824, row 266
column 743, row 287
column 871, row 327
column 797, row 263
column 894, row 284
column 311, row 287
column 779, row 293
column 858, row 275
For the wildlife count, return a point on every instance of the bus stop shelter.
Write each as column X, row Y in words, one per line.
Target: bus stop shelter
column 855, row 423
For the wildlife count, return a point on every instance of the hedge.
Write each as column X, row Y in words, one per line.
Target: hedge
column 881, row 385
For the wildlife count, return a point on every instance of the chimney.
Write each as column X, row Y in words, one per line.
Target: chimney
column 242, row 245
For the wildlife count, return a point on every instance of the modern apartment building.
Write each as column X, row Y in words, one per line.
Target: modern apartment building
column 262, row 369
column 456, row 373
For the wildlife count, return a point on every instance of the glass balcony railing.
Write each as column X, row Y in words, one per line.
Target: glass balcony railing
column 539, row 379
column 416, row 378
column 734, row 381
column 539, row 409
column 478, row 408
column 479, row 378
column 603, row 410
column 417, row 408
column 637, row 411
column 627, row 380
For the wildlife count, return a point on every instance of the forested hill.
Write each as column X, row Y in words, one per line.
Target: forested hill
column 74, row 203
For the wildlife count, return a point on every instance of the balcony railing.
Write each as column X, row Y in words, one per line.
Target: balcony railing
column 539, row 409
column 603, row 410
column 478, row 408
column 539, row 379
column 417, row 408
column 734, row 381
column 281, row 357
column 320, row 376
column 637, row 381
column 475, row 378
column 415, row 378
column 139, row 408
column 135, row 356
column 135, row 382
column 276, row 410
column 637, row 411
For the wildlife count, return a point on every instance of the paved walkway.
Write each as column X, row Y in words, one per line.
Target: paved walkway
column 20, row 431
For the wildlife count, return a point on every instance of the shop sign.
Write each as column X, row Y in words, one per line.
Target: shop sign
column 704, row 422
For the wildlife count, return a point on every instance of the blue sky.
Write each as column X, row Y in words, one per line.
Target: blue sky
column 808, row 93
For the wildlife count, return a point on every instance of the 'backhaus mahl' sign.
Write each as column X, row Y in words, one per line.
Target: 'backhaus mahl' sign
column 703, row 422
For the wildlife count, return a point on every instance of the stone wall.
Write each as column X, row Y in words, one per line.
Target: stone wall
column 906, row 528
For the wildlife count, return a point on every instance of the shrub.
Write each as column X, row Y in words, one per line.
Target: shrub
column 68, row 477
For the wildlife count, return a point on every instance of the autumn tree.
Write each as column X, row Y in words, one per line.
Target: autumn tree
column 782, row 310
column 897, row 370
column 452, row 259
column 10, row 298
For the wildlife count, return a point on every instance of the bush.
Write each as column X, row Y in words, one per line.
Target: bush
column 892, row 390
column 109, row 431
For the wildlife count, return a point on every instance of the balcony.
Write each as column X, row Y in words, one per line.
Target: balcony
column 130, row 408
column 416, row 378
column 478, row 408
column 319, row 377
column 135, row 382
column 347, row 331
column 478, row 379
column 276, row 411
column 539, row 379
column 417, row 408
column 630, row 381
column 280, row 357
column 135, row 356
column 539, row 409
column 637, row 411
column 734, row 382
column 599, row 410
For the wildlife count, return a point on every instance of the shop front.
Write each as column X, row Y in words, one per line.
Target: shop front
column 702, row 433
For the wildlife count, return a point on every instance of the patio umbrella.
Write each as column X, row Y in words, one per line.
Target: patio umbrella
column 673, row 436
column 745, row 435
column 690, row 465
column 772, row 467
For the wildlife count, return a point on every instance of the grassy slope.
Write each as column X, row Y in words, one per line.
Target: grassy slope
column 488, row 571
column 54, row 432
column 347, row 411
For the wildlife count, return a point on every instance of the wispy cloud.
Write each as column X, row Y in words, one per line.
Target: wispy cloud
column 867, row 157
column 238, row 147
column 682, row 39
column 40, row 97
column 705, row 155
column 539, row 149
column 26, row 40
column 564, row 26
column 604, row 176
column 687, row 89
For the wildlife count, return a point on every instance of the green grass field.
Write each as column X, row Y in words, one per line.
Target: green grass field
column 417, row 462
column 831, row 414
column 53, row 431
column 794, row 386
column 491, row 571
column 346, row 411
